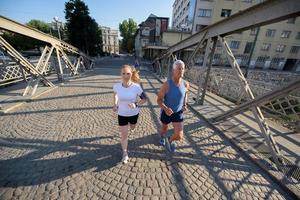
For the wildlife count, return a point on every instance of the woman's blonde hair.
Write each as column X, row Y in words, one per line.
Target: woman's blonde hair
column 135, row 74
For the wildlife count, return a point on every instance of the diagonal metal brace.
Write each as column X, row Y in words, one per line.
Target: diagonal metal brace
column 256, row 110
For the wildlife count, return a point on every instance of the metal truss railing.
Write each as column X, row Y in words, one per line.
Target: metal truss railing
column 54, row 47
column 268, row 12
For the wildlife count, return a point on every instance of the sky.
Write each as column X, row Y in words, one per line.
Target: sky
column 106, row 12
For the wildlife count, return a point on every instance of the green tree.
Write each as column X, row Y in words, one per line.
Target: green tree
column 40, row 25
column 127, row 29
column 82, row 30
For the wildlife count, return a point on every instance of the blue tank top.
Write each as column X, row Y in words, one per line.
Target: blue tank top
column 174, row 98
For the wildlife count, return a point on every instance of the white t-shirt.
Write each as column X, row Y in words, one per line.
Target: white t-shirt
column 126, row 96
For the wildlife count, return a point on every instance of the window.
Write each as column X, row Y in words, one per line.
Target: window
column 248, row 47
column 291, row 21
column 266, row 46
column 280, row 48
column 270, row 32
column 275, row 62
column 285, row 34
column 204, row 13
column 261, row 59
column 253, row 31
column 235, row 44
column 225, row 13
column 247, row 1
column 295, row 49
column 298, row 36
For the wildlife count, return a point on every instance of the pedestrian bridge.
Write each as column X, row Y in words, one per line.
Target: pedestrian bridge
column 65, row 144
column 59, row 137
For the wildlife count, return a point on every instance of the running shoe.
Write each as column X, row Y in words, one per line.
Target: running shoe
column 162, row 140
column 125, row 158
column 167, row 143
column 173, row 146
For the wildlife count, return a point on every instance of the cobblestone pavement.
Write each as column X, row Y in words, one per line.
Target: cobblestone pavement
column 65, row 145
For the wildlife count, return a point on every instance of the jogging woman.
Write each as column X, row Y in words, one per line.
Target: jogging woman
column 128, row 96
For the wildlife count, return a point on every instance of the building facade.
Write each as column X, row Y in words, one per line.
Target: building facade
column 275, row 46
column 110, row 38
column 149, row 33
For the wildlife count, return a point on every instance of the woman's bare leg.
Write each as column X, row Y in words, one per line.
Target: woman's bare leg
column 124, row 138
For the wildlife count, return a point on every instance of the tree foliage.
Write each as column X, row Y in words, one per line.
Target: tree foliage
column 82, row 30
column 127, row 30
column 40, row 25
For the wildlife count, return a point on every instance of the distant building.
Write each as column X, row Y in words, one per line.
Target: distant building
column 110, row 40
column 277, row 46
column 149, row 33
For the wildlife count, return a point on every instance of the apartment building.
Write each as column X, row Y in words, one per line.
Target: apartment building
column 110, row 40
column 275, row 46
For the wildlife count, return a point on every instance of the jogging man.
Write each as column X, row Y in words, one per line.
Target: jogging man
column 172, row 99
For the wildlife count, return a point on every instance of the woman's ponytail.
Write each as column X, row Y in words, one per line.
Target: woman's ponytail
column 135, row 75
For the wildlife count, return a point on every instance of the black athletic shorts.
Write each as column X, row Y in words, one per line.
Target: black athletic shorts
column 175, row 117
column 124, row 120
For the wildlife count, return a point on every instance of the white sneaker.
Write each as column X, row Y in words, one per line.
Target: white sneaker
column 125, row 158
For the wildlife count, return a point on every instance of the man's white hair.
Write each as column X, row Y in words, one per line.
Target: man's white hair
column 178, row 63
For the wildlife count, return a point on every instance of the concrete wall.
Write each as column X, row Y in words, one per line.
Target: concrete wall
column 171, row 38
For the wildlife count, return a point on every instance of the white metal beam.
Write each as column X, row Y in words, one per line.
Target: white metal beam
column 15, row 27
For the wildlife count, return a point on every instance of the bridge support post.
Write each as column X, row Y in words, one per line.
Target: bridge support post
column 77, row 63
column 207, row 49
column 169, row 68
column 23, row 74
column 211, row 56
column 67, row 61
column 60, row 69
column 160, row 66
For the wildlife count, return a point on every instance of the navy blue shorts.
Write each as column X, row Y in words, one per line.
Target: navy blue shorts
column 175, row 117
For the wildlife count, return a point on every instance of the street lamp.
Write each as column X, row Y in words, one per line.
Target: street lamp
column 56, row 20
